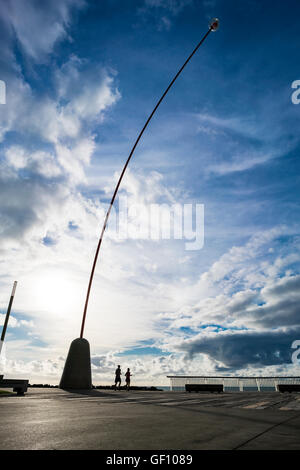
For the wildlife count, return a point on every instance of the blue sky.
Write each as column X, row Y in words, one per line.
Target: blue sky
column 82, row 78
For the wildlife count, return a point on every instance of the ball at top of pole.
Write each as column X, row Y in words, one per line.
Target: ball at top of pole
column 214, row 24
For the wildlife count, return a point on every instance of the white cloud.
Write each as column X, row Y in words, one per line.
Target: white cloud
column 173, row 6
column 247, row 313
column 13, row 322
column 38, row 29
column 163, row 11
column 87, row 91
column 16, row 157
column 236, row 158
column 64, row 123
column 41, row 162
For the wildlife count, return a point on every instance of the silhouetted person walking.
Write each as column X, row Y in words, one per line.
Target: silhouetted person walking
column 127, row 378
column 118, row 377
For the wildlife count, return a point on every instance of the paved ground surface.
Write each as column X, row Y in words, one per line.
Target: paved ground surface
column 105, row 419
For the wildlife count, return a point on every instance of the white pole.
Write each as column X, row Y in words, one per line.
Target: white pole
column 7, row 314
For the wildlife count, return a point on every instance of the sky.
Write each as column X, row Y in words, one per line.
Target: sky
column 81, row 77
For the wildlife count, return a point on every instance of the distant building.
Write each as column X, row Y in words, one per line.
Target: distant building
column 233, row 384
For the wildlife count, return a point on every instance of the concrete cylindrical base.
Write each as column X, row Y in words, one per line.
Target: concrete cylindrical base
column 77, row 371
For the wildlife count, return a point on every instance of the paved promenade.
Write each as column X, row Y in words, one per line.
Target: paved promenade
column 134, row 420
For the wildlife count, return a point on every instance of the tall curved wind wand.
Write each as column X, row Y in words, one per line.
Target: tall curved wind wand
column 213, row 26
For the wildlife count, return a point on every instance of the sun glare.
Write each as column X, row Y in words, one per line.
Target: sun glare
column 56, row 292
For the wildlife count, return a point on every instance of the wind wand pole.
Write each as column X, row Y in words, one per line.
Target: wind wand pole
column 213, row 26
